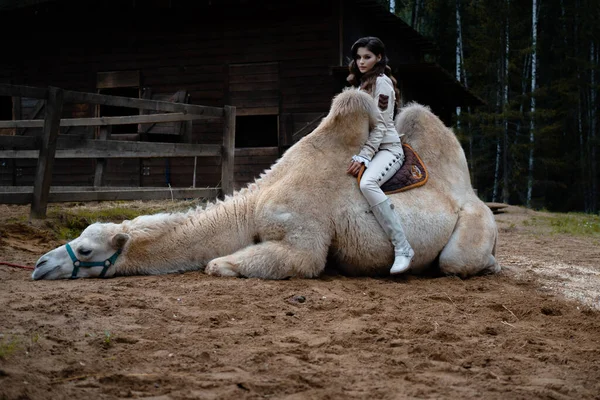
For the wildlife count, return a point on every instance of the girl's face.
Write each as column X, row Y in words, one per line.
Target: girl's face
column 366, row 60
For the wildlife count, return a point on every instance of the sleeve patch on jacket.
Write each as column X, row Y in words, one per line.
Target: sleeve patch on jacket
column 383, row 102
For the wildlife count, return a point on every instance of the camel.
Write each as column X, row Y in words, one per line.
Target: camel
column 303, row 213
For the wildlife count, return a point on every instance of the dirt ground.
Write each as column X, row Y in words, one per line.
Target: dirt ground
column 532, row 331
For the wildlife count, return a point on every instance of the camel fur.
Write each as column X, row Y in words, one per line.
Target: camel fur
column 305, row 211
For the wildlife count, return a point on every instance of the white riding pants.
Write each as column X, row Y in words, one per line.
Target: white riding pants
column 386, row 162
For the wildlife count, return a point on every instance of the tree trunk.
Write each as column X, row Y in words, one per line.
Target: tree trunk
column 505, row 187
column 498, row 141
column 582, row 96
column 458, row 56
column 534, row 22
column 415, row 14
column 592, row 126
column 461, row 76
column 586, row 190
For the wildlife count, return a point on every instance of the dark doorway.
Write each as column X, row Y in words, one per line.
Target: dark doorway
column 257, row 131
column 112, row 111
column 5, row 108
column 6, row 113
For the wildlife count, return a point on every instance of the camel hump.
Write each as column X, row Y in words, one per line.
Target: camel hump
column 414, row 115
column 352, row 101
column 415, row 118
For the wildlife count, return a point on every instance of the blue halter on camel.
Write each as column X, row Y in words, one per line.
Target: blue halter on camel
column 76, row 263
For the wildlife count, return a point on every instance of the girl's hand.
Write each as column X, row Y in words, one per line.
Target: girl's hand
column 354, row 168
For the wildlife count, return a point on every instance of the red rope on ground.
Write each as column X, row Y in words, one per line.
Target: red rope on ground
column 15, row 265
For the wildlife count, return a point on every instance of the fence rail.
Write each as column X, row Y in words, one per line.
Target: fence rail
column 51, row 145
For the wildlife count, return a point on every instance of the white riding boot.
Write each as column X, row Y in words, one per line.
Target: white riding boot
column 390, row 222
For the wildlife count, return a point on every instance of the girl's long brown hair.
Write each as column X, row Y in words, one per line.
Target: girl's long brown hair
column 367, row 81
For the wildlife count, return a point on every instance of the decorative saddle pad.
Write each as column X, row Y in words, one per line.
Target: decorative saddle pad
column 411, row 174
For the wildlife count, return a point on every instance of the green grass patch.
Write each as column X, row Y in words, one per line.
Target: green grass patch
column 577, row 224
column 67, row 221
column 8, row 345
column 107, row 338
column 71, row 222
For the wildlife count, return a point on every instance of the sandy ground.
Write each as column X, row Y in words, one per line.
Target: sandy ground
column 532, row 331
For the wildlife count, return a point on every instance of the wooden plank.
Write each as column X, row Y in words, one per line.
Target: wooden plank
column 308, row 128
column 228, row 156
column 257, row 92
column 39, row 106
column 108, row 194
column 497, row 208
column 256, row 151
column 132, row 137
column 173, row 128
column 249, row 175
column 257, row 111
column 269, row 77
column 155, row 105
column 118, row 79
column 101, row 162
column 103, row 121
column 89, row 148
column 142, row 129
column 243, row 162
column 20, row 142
column 257, row 102
column 43, row 174
column 23, row 91
column 17, row 108
column 254, row 68
column 131, row 119
column 187, row 134
column 117, row 101
column 246, row 86
column 37, row 109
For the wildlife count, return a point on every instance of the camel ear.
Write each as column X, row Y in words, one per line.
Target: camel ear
column 119, row 240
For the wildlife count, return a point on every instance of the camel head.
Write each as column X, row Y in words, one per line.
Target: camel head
column 92, row 255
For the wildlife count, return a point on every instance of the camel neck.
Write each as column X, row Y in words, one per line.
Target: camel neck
column 165, row 243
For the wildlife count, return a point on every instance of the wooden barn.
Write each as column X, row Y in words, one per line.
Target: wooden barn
column 278, row 62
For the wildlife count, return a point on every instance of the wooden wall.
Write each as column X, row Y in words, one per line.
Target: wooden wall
column 194, row 48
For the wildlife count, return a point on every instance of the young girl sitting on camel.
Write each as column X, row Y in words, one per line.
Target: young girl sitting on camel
column 382, row 153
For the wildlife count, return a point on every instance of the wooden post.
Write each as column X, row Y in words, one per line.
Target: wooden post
column 101, row 162
column 43, row 174
column 188, row 128
column 227, row 157
column 17, row 115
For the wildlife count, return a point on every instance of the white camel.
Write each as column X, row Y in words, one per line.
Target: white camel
column 303, row 212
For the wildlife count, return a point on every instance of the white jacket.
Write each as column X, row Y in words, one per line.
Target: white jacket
column 384, row 131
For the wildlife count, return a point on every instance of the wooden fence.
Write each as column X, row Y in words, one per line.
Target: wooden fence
column 51, row 145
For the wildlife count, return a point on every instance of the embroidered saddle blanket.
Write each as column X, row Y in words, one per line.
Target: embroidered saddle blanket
column 412, row 174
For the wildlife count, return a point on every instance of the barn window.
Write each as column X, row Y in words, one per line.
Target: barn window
column 119, row 83
column 254, row 91
column 5, row 108
column 257, row 131
column 6, row 113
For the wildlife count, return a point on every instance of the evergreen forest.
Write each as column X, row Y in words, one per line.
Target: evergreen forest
column 535, row 64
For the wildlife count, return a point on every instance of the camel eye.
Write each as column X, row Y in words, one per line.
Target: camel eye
column 84, row 252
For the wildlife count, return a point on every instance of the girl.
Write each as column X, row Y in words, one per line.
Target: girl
column 382, row 153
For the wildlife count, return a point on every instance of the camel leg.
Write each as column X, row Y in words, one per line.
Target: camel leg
column 472, row 246
column 270, row 260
